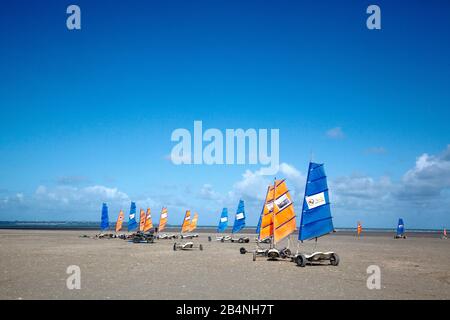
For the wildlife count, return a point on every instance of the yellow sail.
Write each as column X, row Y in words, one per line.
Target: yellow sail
column 163, row 219
column 148, row 221
column 142, row 220
column 186, row 222
column 119, row 221
column 278, row 220
column 193, row 224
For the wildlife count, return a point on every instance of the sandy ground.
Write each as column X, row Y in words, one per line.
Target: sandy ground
column 33, row 265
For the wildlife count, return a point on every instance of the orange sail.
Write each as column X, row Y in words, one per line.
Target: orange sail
column 186, row 222
column 119, row 221
column 162, row 220
column 193, row 224
column 278, row 220
column 148, row 221
column 142, row 220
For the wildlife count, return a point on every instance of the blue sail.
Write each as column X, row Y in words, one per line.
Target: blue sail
column 400, row 227
column 132, row 224
column 316, row 217
column 239, row 220
column 258, row 227
column 104, row 225
column 223, row 222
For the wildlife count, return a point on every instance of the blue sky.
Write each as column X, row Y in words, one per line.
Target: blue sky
column 86, row 116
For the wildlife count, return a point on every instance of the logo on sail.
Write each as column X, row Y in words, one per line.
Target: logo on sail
column 282, row 202
column 239, row 216
column 316, row 200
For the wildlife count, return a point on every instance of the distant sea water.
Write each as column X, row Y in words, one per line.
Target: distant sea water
column 89, row 225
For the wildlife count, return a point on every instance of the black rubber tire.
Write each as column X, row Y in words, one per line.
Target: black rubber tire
column 247, row 240
column 200, row 247
column 222, row 240
column 334, row 259
column 300, row 260
column 242, row 250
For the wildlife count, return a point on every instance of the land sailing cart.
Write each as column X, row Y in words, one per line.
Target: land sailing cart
column 278, row 219
column 146, row 233
column 162, row 226
column 316, row 220
column 277, row 222
column 239, row 224
column 400, row 230
column 188, row 226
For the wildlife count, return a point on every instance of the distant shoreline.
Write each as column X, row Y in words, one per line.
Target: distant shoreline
column 92, row 226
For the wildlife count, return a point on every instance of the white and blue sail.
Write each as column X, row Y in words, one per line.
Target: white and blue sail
column 223, row 222
column 316, row 219
column 400, row 227
column 104, row 224
column 239, row 220
column 132, row 224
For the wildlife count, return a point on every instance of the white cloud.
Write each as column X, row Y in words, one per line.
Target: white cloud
column 429, row 177
column 207, row 193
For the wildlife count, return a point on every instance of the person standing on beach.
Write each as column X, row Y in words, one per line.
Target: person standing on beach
column 359, row 229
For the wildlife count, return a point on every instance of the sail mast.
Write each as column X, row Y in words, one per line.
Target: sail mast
column 273, row 211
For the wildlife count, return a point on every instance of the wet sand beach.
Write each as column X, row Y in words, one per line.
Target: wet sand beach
column 33, row 265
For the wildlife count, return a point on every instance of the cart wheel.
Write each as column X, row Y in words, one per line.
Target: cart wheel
column 242, row 250
column 175, row 246
column 334, row 259
column 200, row 247
column 209, row 238
column 241, row 240
column 300, row 260
column 247, row 240
column 254, row 256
